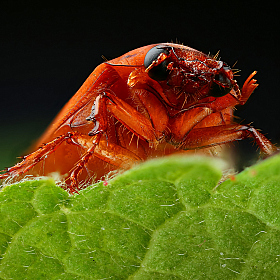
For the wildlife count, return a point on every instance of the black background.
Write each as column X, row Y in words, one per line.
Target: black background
column 48, row 51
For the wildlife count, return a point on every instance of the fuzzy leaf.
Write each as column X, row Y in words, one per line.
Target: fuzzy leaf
column 165, row 219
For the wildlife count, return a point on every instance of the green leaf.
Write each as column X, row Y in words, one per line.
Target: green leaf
column 166, row 219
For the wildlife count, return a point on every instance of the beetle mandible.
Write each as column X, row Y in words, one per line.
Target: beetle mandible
column 152, row 101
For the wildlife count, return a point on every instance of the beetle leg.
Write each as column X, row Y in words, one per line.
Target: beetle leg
column 184, row 121
column 126, row 114
column 151, row 107
column 106, row 151
column 216, row 135
column 98, row 115
column 77, row 169
column 40, row 154
column 73, row 186
column 109, row 152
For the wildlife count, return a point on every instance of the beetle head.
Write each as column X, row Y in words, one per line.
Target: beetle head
column 187, row 75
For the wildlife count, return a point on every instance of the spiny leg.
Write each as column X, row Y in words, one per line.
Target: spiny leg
column 131, row 118
column 40, row 154
column 107, row 152
column 216, row 135
column 73, row 187
column 105, row 104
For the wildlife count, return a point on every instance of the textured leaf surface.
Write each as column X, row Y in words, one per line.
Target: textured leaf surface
column 165, row 219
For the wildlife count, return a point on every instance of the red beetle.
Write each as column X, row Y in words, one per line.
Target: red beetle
column 152, row 101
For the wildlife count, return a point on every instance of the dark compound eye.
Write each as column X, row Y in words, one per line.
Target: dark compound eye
column 153, row 54
column 159, row 72
column 223, row 87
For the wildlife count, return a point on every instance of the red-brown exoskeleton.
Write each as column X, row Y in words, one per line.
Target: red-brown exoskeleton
column 152, row 101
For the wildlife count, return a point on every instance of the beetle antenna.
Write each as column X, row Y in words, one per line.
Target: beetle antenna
column 124, row 65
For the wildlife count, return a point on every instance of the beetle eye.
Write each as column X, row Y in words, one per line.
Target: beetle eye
column 223, row 87
column 159, row 72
